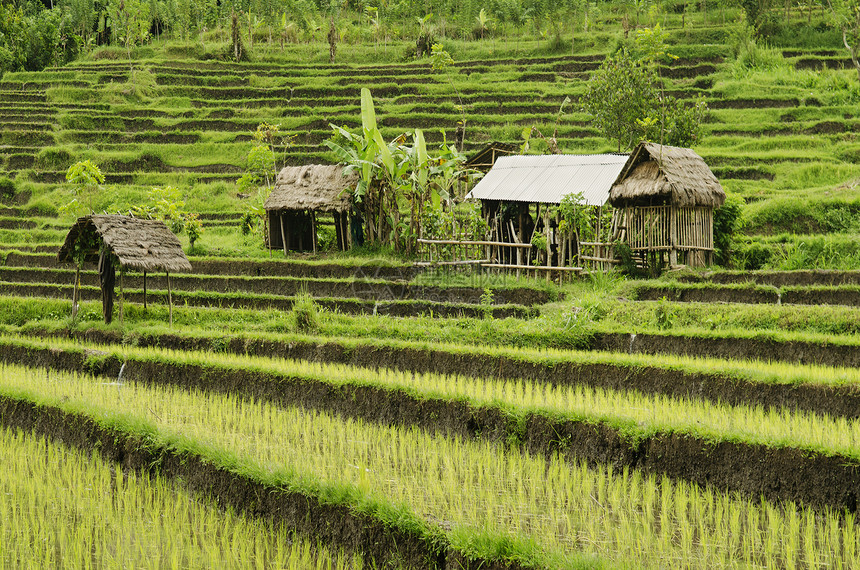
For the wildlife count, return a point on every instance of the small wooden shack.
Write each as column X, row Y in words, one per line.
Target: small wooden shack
column 129, row 243
column 300, row 196
column 517, row 193
column 664, row 200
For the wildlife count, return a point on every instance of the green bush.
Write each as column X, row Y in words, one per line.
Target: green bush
column 7, row 189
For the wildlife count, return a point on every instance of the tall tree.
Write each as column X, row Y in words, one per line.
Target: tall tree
column 846, row 16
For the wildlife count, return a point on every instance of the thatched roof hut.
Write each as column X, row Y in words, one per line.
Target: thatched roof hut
column 312, row 187
column 141, row 245
column 300, row 193
column 661, row 174
column 132, row 243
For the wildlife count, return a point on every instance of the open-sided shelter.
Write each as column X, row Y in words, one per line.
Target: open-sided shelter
column 484, row 158
column 300, row 194
column 518, row 190
column 128, row 243
column 665, row 197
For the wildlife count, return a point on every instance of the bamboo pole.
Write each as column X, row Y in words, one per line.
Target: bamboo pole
column 169, row 298
column 121, row 296
column 314, row 230
column 144, row 290
column 283, row 235
column 75, row 293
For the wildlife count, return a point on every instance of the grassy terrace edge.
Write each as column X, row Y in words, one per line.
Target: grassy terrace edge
column 335, row 514
column 595, row 370
column 778, row 472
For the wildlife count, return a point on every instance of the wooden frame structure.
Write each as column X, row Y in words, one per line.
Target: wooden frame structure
column 301, row 198
column 126, row 242
column 517, row 197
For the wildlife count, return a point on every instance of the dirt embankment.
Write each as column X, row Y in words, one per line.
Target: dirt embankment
column 732, row 348
column 756, row 470
column 364, row 289
column 801, row 278
column 833, row 400
column 334, row 524
column 406, row 308
column 755, row 294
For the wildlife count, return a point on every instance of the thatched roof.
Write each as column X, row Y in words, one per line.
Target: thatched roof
column 312, row 187
column 657, row 173
column 143, row 245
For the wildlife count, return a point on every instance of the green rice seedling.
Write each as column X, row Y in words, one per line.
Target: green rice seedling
column 471, row 487
column 61, row 507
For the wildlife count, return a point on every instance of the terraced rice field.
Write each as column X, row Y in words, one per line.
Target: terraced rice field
column 703, row 421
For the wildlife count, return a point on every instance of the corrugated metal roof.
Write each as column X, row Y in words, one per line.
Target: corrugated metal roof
column 548, row 178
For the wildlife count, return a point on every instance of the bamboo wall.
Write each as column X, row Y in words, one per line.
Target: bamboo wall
column 686, row 233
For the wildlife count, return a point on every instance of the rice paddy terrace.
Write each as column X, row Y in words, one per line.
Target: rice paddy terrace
column 411, row 420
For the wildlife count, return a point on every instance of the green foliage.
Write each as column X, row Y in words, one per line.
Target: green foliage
column 166, row 204
column 130, row 22
column 7, row 189
column 664, row 314
column 305, row 314
column 625, row 102
column 728, row 220
column 87, row 179
column 487, row 299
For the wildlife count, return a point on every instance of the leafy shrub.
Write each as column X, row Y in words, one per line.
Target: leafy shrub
column 7, row 189
column 305, row 313
column 728, row 219
column 53, row 158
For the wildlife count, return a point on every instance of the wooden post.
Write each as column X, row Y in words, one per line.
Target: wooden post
column 169, row 298
column 75, row 292
column 673, row 236
column 121, row 295
column 144, row 290
column 284, row 241
column 314, row 231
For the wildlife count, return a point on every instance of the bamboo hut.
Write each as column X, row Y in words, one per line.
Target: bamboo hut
column 300, row 195
column 129, row 243
column 664, row 200
column 517, row 195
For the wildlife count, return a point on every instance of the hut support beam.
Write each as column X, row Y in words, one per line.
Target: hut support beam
column 314, row 231
column 169, row 298
column 284, row 235
column 121, row 295
column 76, row 292
column 144, row 290
column 673, row 237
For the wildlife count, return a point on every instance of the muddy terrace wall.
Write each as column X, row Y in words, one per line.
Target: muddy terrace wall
column 333, row 524
column 834, row 400
column 406, row 308
column 755, row 470
column 755, row 294
column 287, row 286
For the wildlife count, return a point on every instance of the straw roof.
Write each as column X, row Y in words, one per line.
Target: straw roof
column 312, row 187
column 143, row 245
column 662, row 173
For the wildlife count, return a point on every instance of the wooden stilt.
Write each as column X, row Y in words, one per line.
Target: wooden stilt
column 314, row 231
column 76, row 293
column 284, row 241
column 121, row 295
column 144, row 290
column 169, row 298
